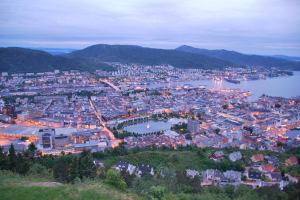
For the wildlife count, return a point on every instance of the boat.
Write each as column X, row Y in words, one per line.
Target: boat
column 232, row 81
column 296, row 129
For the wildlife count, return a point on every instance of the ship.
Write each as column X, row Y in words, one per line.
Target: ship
column 235, row 81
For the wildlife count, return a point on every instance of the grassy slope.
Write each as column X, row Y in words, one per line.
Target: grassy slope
column 165, row 158
column 15, row 187
column 183, row 159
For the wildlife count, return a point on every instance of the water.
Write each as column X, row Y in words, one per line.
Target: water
column 287, row 86
column 149, row 127
column 293, row 134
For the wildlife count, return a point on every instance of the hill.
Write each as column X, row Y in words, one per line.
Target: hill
column 17, row 187
column 14, row 59
column 170, row 181
column 292, row 58
column 56, row 51
column 243, row 59
column 147, row 56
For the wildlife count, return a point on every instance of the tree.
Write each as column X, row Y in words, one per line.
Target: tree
column 74, row 169
column 188, row 136
column 24, row 138
column 61, row 170
column 217, row 130
column 86, row 165
column 12, row 159
column 3, row 162
column 31, row 149
column 293, row 191
column 114, row 178
column 157, row 192
column 128, row 178
column 22, row 164
column 38, row 170
column 271, row 193
column 225, row 107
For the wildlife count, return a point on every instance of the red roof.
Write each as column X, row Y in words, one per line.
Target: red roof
column 268, row 168
column 293, row 160
column 257, row 158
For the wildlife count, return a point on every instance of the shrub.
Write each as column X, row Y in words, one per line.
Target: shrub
column 38, row 170
column 114, row 178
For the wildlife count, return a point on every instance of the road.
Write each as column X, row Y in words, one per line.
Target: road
column 114, row 141
column 235, row 118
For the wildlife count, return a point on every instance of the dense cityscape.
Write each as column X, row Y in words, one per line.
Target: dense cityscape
column 153, row 106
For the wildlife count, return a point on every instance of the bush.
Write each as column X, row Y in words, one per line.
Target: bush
column 76, row 181
column 114, row 178
column 38, row 170
column 157, row 192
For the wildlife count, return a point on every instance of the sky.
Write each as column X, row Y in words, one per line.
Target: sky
column 267, row 27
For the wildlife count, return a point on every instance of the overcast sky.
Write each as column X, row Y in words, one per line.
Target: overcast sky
column 250, row 26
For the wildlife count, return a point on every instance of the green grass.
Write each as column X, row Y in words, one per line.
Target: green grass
column 196, row 159
column 15, row 187
column 176, row 159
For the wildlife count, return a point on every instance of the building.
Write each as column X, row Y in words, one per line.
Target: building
column 4, row 73
column 122, row 166
column 232, row 176
column 253, row 175
column 47, row 138
column 5, row 118
column 62, row 141
column 257, row 158
column 191, row 173
column 92, row 145
column 193, row 126
column 267, row 168
column 235, row 156
column 144, row 169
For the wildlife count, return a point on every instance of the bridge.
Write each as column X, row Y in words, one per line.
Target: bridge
column 110, row 84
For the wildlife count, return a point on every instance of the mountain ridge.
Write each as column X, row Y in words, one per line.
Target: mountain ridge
column 16, row 59
column 148, row 56
column 242, row 59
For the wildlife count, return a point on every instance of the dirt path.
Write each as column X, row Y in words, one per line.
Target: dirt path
column 45, row 184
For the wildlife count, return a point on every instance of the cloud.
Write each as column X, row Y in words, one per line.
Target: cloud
column 252, row 26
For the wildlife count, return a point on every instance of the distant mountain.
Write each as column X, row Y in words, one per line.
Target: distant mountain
column 14, row 59
column 291, row 58
column 147, row 56
column 56, row 51
column 242, row 59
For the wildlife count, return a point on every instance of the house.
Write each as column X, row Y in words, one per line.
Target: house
column 144, row 169
column 283, row 184
column 98, row 163
column 257, row 158
column 254, row 175
column 218, row 155
column 291, row 161
column 291, row 178
column 211, row 176
column 232, row 176
column 122, row 166
column 274, row 176
column 267, row 168
column 235, row 156
column 273, row 160
column 191, row 173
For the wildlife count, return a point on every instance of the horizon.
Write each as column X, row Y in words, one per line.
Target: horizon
column 48, row 49
column 261, row 27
